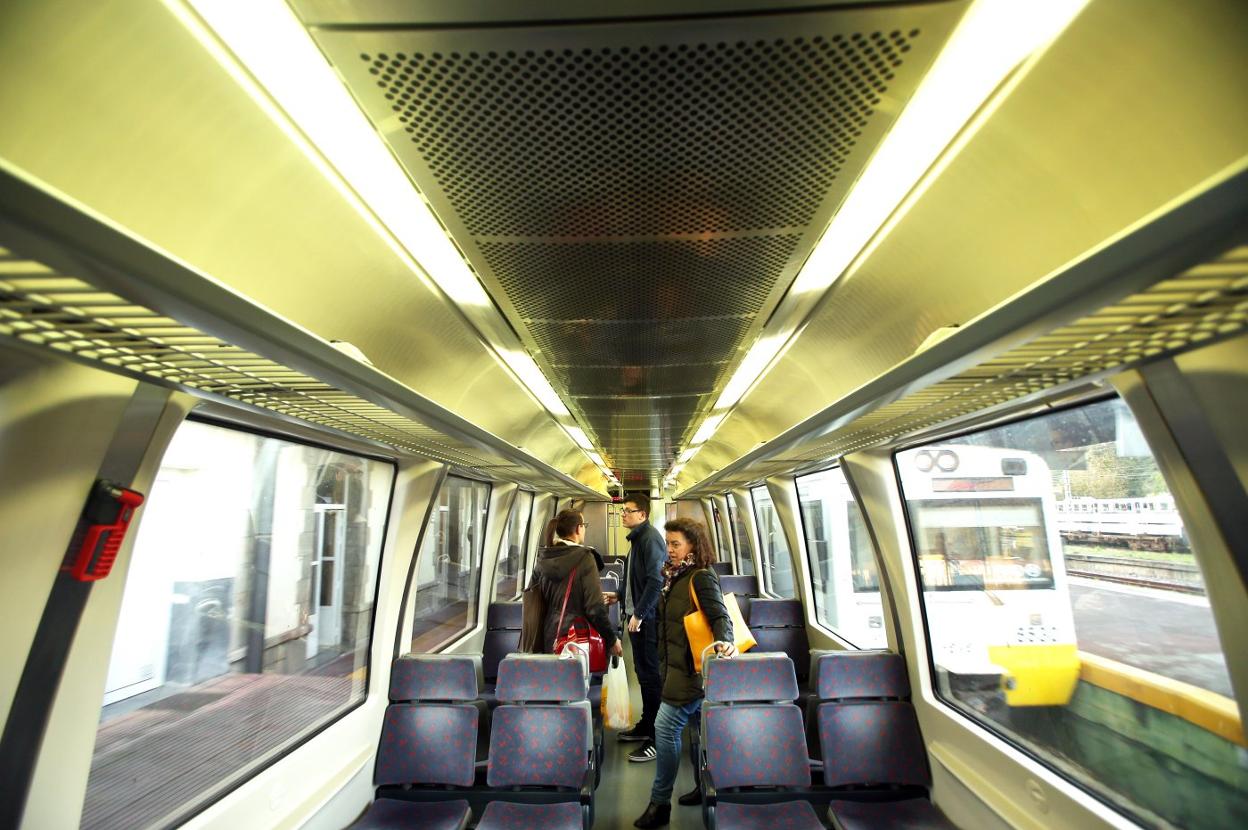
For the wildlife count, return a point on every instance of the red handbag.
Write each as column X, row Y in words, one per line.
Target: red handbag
column 580, row 632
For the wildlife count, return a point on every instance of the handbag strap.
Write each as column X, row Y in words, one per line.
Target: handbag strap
column 567, row 592
column 693, row 595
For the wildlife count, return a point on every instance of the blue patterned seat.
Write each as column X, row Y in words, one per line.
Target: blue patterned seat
column 861, row 675
column 428, row 745
column 507, row 815
column 541, row 744
column 389, row 814
column 909, row 814
column 751, row 677
column 752, row 752
column 779, row 625
column 742, row 586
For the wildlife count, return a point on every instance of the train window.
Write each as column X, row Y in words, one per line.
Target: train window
column 448, row 566
column 773, row 547
column 244, row 625
column 744, row 561
column 722, row 542
column 511, row 554
column 1067, row 617
column 842, row 560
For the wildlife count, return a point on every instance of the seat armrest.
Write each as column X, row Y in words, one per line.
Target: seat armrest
column 587, row 787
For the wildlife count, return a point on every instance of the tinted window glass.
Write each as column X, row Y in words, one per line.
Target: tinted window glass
column 245, row 621
column 773, row 547
column 448, row 567
column 842, row 560
column 1065, row 610
column 511, row 554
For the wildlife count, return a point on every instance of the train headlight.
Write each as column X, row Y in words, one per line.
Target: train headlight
column 924, row 461
column 947, row 461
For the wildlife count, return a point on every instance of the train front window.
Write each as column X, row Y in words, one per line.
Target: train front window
column 842, row 560
column 1065, row 611
column 244, row 627
column 981, row 544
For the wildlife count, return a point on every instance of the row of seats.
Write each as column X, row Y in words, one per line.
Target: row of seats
column 541, row 763
column 754, row 766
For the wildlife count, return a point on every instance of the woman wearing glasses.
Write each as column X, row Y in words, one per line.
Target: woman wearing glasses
column 564, row 555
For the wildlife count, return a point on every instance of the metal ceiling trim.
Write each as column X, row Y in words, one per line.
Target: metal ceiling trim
column 1207, row 220
column 57, row 229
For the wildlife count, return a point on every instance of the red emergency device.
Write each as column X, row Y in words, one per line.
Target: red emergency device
column 107, row 517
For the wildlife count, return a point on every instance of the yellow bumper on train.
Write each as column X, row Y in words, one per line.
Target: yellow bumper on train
column 1037, row 675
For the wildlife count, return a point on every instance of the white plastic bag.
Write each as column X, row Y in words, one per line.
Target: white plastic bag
column 617, row 708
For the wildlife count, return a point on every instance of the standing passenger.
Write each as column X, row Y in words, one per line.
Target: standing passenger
column 689, row 558
column 562, row 555
column 643, row 580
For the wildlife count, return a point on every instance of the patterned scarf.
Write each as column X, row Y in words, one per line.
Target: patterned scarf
column 671, row 573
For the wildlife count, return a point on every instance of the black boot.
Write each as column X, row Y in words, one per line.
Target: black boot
column 691, row 798
column 656, row 815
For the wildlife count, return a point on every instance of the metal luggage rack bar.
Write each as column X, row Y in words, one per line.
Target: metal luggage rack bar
column 112, row 302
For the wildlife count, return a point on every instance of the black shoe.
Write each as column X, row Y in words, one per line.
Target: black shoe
column 656, row 815
column 691, row 798
column 633, row 734
column 643, row 753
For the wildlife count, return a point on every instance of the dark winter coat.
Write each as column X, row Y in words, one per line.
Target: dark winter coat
column 681, row 684
column 553, row 566
column 643, row 570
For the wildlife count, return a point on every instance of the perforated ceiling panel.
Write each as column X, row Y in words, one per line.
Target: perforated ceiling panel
column 638, row 196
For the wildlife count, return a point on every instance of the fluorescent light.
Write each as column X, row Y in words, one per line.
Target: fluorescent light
column 708, row 427
column 597, row 459
column 531, row 376
column 751, row 369
column 994, row 37
column 267, row 38
column 579, row 436
column 688, row 454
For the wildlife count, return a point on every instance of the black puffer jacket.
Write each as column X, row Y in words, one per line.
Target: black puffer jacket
column 681, row 684
column 553, row 566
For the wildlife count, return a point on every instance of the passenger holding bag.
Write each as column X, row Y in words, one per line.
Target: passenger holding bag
column 565, row 579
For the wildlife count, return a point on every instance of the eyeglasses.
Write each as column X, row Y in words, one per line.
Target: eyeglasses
column 584, row 524
column 624, row 510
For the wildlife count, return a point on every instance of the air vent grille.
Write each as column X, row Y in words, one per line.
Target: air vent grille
column 635, row 140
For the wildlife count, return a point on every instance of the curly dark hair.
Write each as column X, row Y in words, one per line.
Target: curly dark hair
column 695, row 533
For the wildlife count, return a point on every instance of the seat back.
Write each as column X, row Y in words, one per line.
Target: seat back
column 542, row 733
column 755, row 745
column 742, row 586
column 502, row 636
column 861, row 675
column 872, row 744
column 722, row 568
column 751, row 677
column 430, row 738
column 779, row 625
column 611, row 584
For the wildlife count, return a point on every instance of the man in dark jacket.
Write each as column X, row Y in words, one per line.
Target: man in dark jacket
column 643, row 580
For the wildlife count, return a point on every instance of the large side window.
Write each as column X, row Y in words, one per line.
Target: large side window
column 245, row 622
column 511, row 554
column 722, row 542
column 842, row 560
column 773, row 547
column 740, row 539
column 1065, row 611
column 448, row 566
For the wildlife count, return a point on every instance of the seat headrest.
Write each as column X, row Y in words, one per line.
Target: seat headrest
column 776, row 613
column 736, row 584
column 609, row 583
column 848, row 675
column 750, row 677
column 540, row 678
column 504, row 615
column 433, row 677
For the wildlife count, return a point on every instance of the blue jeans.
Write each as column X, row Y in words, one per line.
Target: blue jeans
column 668, row 727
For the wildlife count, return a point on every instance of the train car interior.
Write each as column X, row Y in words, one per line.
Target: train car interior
column 315, row 313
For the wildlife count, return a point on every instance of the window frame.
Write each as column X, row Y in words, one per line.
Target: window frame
column 524, row 545
column 228, row 786
column 1104, row 796
column 738, row 554
column 764, row 581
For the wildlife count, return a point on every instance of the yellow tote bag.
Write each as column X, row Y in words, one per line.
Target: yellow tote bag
column 698, row 630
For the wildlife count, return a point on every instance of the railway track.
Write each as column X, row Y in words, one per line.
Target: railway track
column 1161, row 575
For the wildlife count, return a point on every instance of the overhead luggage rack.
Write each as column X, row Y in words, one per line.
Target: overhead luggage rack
column 110, row 301
column 1173, row 283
